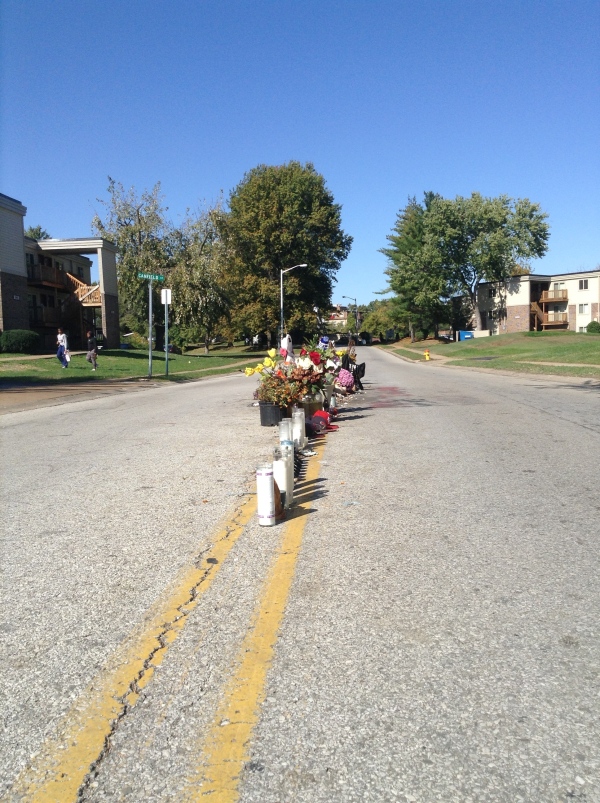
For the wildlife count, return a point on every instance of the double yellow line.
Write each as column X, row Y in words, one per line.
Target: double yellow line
column 60, row 769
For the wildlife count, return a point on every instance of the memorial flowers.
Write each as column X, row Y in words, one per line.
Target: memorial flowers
column 287, row 383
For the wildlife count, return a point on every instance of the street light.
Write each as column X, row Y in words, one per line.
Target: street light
column 281, row 333
column 355, row 310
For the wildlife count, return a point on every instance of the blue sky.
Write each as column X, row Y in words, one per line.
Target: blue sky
column 387, row 99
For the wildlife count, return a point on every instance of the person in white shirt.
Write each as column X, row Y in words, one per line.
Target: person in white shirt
column 61, row 354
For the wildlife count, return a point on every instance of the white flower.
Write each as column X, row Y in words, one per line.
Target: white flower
column 305, row 362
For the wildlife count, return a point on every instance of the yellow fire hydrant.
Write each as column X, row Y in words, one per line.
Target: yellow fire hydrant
column 426, row 354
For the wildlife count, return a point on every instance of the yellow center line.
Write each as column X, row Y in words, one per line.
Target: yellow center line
column 225, row 749
column 64, row 761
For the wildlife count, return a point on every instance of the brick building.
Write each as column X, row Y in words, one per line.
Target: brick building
column 540, row 302
column 45, row 284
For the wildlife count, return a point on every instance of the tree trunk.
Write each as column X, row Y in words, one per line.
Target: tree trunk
column 206, row 344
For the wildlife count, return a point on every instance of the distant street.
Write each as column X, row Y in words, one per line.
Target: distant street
column 424, row 629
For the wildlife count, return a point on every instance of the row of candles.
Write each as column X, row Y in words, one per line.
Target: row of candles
column 277, row 478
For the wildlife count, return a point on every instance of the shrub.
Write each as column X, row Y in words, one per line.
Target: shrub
column 19, row 341
column 593, row 328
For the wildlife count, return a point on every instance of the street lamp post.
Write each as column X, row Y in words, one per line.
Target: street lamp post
column 281, row 332
column 355, row 310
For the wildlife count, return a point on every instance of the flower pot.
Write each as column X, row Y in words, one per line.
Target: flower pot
column 270, row 414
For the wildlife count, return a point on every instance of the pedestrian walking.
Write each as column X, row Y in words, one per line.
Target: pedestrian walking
column 92, row 352
column 61, row 354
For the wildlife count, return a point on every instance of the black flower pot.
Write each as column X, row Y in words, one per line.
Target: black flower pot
column 270, row 414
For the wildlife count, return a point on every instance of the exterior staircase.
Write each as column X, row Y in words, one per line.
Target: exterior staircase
column 537, row 313
column 88, row 295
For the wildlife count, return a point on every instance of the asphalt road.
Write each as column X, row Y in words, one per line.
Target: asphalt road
column 425, row 629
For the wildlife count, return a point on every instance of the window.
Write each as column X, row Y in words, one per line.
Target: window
column 583, row 284
column 583, row 308
column 491, row 292
column 582, row 329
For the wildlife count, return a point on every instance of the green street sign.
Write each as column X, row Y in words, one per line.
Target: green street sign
column 155, row 277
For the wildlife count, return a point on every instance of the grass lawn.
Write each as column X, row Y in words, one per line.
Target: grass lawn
column 120, row 364
column 565, row 353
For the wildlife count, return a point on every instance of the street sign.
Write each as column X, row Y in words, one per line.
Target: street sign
column 154, row 277
column 165, row 296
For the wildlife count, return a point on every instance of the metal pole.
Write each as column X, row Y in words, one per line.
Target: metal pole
column 281, row 333
column 166, row 339
column 150, row 328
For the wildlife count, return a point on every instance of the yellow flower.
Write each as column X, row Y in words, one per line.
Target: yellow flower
column 272, row 353
column 248, row 371
column 340, row 353
column 259, row 368
column 269, row 362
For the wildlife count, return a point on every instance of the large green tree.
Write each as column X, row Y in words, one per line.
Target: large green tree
column 200, row 301
column 413, row 274
column 445, row 248
column 280, row 216
column 477, row 239
column 139, row 228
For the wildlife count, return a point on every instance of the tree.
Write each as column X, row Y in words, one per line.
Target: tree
column 280, row 216
column 139, row 229
column 381, row 315
column 477, row 239
column 200, row 300
column 414, row 276
column 37, row 233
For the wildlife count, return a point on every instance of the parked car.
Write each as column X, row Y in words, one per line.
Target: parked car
column 173, row 349
column 341, row 342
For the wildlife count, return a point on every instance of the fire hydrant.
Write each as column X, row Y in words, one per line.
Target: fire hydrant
column 426, row 354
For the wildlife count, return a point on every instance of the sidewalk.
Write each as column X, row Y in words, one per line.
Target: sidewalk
column 18, row 399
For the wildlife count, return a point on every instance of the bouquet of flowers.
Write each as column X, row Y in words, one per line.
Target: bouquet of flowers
column 287, row 383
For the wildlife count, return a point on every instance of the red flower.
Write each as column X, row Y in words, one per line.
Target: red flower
column 303, row 352
column 315, row 357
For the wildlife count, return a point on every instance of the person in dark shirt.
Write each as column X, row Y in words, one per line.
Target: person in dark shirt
column 92, row 352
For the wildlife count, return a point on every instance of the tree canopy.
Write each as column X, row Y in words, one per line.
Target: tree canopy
column 445, row 248
column 198, row 281
column 280, row 216
column 37, row 233
column 138, row 227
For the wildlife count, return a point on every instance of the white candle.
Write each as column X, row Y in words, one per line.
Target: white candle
column 265, row 492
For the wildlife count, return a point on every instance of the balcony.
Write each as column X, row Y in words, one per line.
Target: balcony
column 555, row 318
column 44, row 316
column 45, row 275
column 554, row 295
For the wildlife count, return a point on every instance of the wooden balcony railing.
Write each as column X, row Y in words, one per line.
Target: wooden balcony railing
column 555, row 318
column 554, row 295
column 44, row 274
column 87, row 294
column 44, row 316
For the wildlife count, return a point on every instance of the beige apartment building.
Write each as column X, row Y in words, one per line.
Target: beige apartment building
column 45, row 284
column 540, row 302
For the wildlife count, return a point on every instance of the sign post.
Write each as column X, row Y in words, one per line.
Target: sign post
column 157, row 277
column 165, row 297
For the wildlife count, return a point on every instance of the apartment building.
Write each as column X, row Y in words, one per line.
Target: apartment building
column 540, row 302
column 45, row 284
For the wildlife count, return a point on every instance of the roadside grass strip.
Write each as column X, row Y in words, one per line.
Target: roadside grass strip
column 225, row 750
column 67, row 762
